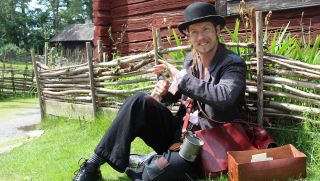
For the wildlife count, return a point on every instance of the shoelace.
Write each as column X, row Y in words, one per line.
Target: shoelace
column 83, row 164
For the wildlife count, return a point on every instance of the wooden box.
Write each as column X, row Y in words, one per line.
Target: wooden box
column 287, row 163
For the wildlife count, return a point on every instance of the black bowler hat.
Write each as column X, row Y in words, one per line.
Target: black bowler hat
column 200, row 12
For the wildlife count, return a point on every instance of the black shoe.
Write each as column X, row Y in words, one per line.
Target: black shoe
column 87, row 172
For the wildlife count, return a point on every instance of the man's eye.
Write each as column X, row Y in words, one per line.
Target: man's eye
column 193, row 32
column 206, row 30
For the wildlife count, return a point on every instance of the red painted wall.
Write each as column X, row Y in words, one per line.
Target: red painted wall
column 140, row 15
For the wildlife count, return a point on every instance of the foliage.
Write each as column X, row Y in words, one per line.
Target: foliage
column 283, row 43
column 117, row 41
column 234, row 36
column 11, row 49
column 179, row 55
column 24, row 27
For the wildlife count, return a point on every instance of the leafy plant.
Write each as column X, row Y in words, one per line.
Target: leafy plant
column 118, row 42
column 12, row 49
column 179, row 55
column 282, row 43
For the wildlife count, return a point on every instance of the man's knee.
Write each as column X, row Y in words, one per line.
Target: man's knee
column 139, row 96
column 143, row 98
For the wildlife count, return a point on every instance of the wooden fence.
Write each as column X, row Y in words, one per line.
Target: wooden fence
column 16, row 80
column 277, row 87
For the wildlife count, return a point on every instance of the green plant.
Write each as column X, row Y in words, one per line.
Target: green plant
column 117, row 41
column 11, row 49
column 298, row 48
column 179, row 55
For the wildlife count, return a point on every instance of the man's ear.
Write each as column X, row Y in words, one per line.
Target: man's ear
column 218, row 29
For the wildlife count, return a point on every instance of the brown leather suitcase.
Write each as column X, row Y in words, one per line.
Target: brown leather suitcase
column 288, row 162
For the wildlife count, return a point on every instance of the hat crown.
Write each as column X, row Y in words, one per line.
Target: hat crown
column 198, row 10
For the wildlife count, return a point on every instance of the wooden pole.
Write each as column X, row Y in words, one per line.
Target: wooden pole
column 158, row 36
column 91, row 78
column 12, row 80
column 259, row 52
column 221, row 6
column 100, row 50
column 36, row 73
column 46, row 46
column 155, row 47
column 104, row 56
column 252, row 24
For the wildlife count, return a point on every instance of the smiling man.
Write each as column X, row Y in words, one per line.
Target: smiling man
column 213, row 78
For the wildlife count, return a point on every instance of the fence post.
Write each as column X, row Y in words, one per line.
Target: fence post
column 259, row 52
column 25, row 74
column 91, row 78
column 221, row 6
column 100, row 51
column 36, row 73
column 159, row 41
column 12, row 79
column 155, row 47
column 3, row 71
column 46, row 46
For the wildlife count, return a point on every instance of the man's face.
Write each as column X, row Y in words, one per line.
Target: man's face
column 203, row 36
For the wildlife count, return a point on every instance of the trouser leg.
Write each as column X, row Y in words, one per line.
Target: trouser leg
column 140, row 116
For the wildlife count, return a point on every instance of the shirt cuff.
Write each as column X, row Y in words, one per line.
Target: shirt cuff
column 176, row 81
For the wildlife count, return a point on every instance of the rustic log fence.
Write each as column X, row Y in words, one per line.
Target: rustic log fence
column 14, row 81
column 277, row 88
column 83, row 90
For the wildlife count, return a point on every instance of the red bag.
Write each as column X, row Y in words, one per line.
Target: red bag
column 230, row 136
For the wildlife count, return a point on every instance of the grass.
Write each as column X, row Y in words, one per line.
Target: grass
column 306, row 138
column 55, row 155
column 18, row 65
column 10, row 106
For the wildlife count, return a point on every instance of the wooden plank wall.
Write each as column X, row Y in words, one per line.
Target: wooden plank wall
column 281, row 18
column 138, row 16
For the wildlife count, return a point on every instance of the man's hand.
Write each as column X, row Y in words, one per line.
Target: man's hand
column 159, row 69
column 161, row 89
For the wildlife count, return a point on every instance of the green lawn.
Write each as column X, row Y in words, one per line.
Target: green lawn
column 55, row 155
column 19, row 65
column 10, row 106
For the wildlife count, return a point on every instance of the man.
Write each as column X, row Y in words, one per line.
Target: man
column 212, row 76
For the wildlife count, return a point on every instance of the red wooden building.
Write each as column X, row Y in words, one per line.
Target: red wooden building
column 136, row 17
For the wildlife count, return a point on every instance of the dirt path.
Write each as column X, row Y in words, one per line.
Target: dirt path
column 17, row 118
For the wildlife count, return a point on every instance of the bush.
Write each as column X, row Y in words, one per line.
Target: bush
column 11, row 49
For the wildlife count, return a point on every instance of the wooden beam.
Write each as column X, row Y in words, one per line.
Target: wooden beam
column 259, row 52
column 267, row 5
column 35, row 69
column 155, row 47
column 91, row 78
column 100, row 51
column 221, row 7
column 46, row 46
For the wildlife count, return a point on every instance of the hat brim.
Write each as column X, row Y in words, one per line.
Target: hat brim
column 216, row 19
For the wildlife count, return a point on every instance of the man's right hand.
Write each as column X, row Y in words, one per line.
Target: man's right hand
column 161, row 89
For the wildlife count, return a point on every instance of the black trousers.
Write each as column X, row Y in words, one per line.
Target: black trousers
column 142, row 116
